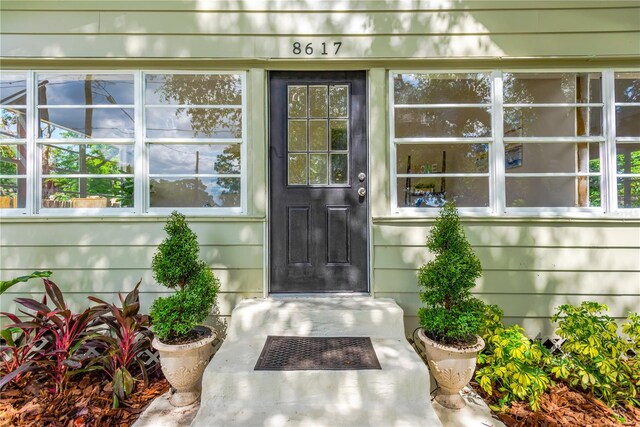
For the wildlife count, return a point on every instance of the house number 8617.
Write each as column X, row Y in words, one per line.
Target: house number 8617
column 299, row 49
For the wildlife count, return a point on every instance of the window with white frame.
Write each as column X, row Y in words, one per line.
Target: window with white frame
column 516, row 142
column 553, row 136
column 194, row 133
column 85, row 136
column 110, row 142
column 627, row 147
column 13, row 141
column 442, row 135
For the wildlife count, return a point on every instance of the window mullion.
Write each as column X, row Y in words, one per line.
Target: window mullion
column 609, row 185
column 392, row 158
column 140, row 187
column 33, row 165
column 497, row 169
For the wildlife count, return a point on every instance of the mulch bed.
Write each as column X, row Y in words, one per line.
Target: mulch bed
column 563, row 407
column 85, row 402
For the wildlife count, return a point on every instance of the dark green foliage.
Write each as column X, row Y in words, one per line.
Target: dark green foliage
column 176, row 264
column 450, row 315
column 179, row 313
column 177, row 256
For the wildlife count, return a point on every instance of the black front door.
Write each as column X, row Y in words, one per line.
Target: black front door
column 318, row 167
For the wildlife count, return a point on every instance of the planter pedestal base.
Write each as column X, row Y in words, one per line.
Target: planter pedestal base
column 451, row 367
column 184, row 398
column 450, row 401
column 183, row 366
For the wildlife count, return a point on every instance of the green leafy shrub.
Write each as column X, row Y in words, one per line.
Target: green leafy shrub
column 596, row 359
column 450, row 314
column 176, row 265
column 512, row 367
column 176, row 259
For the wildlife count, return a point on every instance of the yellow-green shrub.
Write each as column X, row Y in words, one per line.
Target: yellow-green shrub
column 512, row 366
column 596, row 359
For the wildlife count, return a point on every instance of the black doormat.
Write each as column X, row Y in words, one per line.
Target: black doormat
column 317, row 353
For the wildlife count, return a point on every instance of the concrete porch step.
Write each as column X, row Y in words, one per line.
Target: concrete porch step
column 233, row 394
column 320, row 316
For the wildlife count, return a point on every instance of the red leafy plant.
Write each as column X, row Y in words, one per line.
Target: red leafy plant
column 19, row 351
column 121, row 345
column 61, row 331
column 19, row 347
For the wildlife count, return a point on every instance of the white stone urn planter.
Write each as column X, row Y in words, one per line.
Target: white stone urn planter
column 183, row 366
column 451, row 367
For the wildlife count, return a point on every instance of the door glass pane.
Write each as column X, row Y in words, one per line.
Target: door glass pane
column 297, row 135
column 297, row 101
column 318, row 169
column 339, row 169
column 338, row 101
column 297, row 169
column 317, row 135
column 339, row 135
column 317, row 101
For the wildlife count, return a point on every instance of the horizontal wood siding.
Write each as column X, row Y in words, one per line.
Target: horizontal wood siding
column 529, row 268
column 266, row 30
column 102, row 259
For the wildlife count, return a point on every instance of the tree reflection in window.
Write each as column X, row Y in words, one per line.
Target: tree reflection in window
column 213, row 105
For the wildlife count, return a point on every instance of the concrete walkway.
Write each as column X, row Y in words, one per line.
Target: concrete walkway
column 236, row 395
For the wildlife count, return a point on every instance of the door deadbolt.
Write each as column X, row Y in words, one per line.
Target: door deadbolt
column 362, row 176
column 362, row 191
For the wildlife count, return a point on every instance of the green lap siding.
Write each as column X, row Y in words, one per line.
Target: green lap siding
column 531, row 265
column 107, row 257
column 529, row 268
column 373, row 30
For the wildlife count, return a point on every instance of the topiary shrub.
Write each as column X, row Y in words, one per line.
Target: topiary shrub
column 450, row 314
column 176, row 266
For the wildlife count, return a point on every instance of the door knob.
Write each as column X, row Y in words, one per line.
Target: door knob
column 362, row 191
